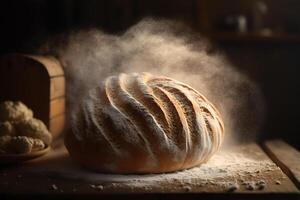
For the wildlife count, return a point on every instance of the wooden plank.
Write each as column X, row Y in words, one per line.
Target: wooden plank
column 57, row 125
column 57, row 87
column 287, row 158
column 57, row 107
column 240, row 165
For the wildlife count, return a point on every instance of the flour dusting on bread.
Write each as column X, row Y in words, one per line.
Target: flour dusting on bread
column 145, row 123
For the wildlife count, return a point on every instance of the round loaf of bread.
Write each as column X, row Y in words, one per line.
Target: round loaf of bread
column 141, row 123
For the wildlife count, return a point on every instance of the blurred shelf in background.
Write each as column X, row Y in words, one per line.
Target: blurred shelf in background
column 256, row 38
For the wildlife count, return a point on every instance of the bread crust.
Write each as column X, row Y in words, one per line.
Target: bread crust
column 141, row 123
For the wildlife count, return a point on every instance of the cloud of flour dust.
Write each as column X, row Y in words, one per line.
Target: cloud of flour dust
column 170, row 49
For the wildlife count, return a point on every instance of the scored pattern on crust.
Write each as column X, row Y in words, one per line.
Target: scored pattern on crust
column 163, row 122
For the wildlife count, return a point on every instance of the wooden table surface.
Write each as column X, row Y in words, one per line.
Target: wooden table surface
column 239, row 172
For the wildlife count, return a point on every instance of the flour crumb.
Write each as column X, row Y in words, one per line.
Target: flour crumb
column 277, row 182
column 187, row 188
column 250, row 185
column 232, row 187
column 261, row 184
column 54, row 187
column 99, row 187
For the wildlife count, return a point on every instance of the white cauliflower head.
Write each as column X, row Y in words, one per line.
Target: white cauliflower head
column 14, row 111
column 6, row 128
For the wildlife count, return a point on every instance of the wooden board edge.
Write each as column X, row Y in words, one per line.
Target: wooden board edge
column 57, row 125
column 57, row 87
column 281, row 153
column 57, row 107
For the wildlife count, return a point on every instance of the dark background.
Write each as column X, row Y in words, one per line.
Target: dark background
column 268, row 50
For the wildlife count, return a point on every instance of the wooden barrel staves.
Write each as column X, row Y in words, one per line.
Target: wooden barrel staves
column 37, row 81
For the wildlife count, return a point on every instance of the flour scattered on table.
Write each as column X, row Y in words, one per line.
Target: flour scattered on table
column 230, row 170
